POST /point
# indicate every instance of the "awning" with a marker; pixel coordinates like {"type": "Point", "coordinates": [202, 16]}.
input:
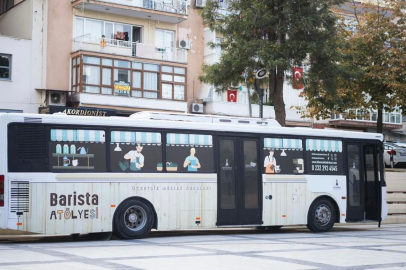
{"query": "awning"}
{"type": "Point", "coordinates": [282, 143]}
{"type": "Point", "coordinates": [178, 139]}
{"type": "Point", "coordinates": [130, 137]}
{"type": "Point", "coordinates": [324, 145]}
{"type": "Point", "coordinates": [77, 135]}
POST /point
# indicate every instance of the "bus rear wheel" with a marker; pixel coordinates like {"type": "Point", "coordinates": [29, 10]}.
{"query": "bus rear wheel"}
{"type": "Point", "coordinates": [321, 216]}
{"type": "Point", "coordinates": [133, 219]}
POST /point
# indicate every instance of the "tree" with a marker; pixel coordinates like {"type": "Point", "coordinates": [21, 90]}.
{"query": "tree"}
{"type": "Point", "coordinates": [271, 34]}
{"type": "Point", "coordinates": [370, 64]}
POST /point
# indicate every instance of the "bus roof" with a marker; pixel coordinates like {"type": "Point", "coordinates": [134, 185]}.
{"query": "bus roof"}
{"type": "Point", "coordinates": [59, 119]}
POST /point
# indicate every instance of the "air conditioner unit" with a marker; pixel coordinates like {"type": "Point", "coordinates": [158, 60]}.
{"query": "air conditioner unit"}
{"type": "Point", "coordinates": [200, 3]}
{"type": "Point", "coordinates": [184, 44]}
{"type": "Point", "coordinates": [56, 98]}
{"type": "Point", "coordinates": [197, 108]}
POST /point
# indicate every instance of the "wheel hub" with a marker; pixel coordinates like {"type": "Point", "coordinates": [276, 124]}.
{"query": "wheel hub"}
{"type": "Point", "coordinates": [132, 218]}
{"type": "Point", "coordinates": [323, 215]}
{"type": "Point", "coordinates": [135, 218]}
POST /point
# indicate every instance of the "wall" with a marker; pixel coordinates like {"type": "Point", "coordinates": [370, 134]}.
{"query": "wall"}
{"type": "Point", "coordinates": [17, 22]}
{"type": "Point", "coordinates": [58, 44]}
{"type": "Point", "coordinates": [18, 93]}
{"type": "Point", "coordinates": [192, 29]}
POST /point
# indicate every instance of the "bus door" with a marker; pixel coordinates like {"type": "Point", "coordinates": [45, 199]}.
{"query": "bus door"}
{"type": "Point", "coordinates": [372, 184]}
{"type": "Point", "coordinates": [239, 182]}
{"type": "Point", "coordinates": [363, 189]}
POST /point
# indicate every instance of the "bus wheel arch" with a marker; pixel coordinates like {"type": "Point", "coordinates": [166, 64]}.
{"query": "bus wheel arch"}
{"type": "Point", "coordinates": [322, 214]}
{"type": "Point", "coordinates": [134, 218]}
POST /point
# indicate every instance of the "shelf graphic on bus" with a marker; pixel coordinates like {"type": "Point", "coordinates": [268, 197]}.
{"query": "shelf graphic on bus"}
{"type": "Point", "coordinates": [77, 149]}
{"type": "Point", "coordinates": [135, 151]}
{"type": "Point", "coordinates": [324, 156]}
{"type": "Point", "coordinates": [283, 155]}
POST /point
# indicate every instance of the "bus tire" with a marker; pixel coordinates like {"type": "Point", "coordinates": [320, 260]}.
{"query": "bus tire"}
{"type": "Point", "coordinates": [133, 219]}
{"type": "Point", "coordinates": [321, 216]}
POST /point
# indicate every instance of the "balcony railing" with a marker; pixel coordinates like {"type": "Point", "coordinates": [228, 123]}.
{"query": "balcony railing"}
{"type": "Point", "coordinates": [394, 117]}
{"type": "Point", "coordinates": [177, 6]}
{"type": "Point", "coordinates": [128, 48]}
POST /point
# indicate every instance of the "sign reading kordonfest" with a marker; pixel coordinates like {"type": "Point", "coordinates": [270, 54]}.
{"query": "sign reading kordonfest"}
{"type": "Point", "coordinates": [122, 88]}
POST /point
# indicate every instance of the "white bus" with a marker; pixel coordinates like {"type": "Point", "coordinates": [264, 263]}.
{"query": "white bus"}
{"type": "Point", "coordinates": [78, 174]}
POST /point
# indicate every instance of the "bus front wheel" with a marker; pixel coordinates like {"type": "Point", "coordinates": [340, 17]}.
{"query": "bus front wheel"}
{"type": "Point", "coordinates": [321, 216]}
{"type": "Point", "coordinates": [133, 219]}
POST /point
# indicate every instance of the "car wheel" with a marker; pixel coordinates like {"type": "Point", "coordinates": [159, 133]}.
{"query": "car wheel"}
{"type": "Point", "coordinates": [321, 216]}
{"type": "Point", "coordinates": [133, 219]}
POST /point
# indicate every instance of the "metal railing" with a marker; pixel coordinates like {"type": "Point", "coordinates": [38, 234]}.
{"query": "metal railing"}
{"type": "Point", "coordinates": [177, 6]}
{"type": "Point", "coordinates": [128, 48]}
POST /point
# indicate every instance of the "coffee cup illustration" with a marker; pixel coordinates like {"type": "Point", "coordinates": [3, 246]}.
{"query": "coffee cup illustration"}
{"type": "Point", "coordinates": [75, 162]}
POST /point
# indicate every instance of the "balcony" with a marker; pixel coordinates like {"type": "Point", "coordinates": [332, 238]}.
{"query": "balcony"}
{"type": "Point", "coordinates": [367, 118]}
{"type": "Point", "coordinates": [102, 80]}
{"type": "Point", "coordinates": [128, 48]}
{"type": "Point", "coordinates": [158, 10]}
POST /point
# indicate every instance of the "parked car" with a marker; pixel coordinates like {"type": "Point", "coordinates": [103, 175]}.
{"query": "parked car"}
{"type": "Point", "coordinates": [394, 153]}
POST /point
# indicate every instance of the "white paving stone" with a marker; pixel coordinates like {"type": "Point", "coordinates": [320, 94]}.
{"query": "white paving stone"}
{"type": "Point", "coordinates": [54, 266]}
{"type": "Point", "coordinates": [393, 268]}
{"type": "Point", "coordinates": [395, 248]}
{"type": "Point", "coordinates": [196, 238]}
{"type": "Point", "coordinates": [14, 255]}
{"type": "Point", "coordinates": [346, 241]}
{"type": "Point", "coordinates": [343, 257]}
{"type": "Point", "coordinates": [248, 246]}
{"type": "Point", "coordinates": [221, 262]}
{"type": "Point", "coordinates": [128, 251]}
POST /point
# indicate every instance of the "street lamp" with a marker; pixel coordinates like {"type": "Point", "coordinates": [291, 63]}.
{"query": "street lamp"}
{"type": "Point", "coordinates": [259, 75]}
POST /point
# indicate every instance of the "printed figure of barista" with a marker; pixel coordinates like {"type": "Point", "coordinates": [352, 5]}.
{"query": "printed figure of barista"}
{"type": "Point", "coordinates": [270, 162]}
{"type": "Point", "coordinates": [136, 158]}
{"type": "Point", "coordinates": [192, 162]}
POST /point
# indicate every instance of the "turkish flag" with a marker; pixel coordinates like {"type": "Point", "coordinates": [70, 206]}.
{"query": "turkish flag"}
{"type": "Point", "coordinates": [232, 95]}
{"type": "Point", "coordinates": [297, 75]}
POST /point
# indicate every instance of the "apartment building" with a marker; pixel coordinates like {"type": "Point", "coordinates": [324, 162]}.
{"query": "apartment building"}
{"type": "Point", "coordinates": [111, 57]}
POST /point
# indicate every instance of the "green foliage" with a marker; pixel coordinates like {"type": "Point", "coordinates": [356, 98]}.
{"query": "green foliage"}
{"type": "Point", "coordinates": [369, 64]}
{"type": "Point", "coordinates": [271, 34]}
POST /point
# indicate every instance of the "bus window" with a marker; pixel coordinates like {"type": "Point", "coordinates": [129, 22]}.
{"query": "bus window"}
{"type": "Point", "coordinates": [78, 150]}
{"type": "Point", "coordinates": [283, 156]}
{"type": "Point", "coordinates": [189, 153]}
{"type": "Point", "coordinates": [135, 151]}
{"type": "Point", "coordinates": [354, 177]}
{"type": "Point", "coordinates": [324, 156]}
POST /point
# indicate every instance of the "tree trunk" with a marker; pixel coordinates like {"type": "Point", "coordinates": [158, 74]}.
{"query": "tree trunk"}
{"type": "Point", "coordinates": [379, 123]}
{"type": "Point", "coordinates": [276, 79]}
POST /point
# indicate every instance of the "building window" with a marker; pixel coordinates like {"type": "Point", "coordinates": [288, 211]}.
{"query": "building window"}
{"type": "Point", "coordinates": [5, 67]}
{"type": "Point", "coordinates": [131, 79]}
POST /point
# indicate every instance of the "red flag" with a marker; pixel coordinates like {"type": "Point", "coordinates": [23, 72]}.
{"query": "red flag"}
{"type": "Point", "coordinates": [232, 95]}
{"type": "Point", "coordinates": [297, 75]}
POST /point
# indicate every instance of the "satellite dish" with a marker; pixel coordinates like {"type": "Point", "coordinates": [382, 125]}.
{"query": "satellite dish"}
{"type": "Point", "coordinates": [260, 74]}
